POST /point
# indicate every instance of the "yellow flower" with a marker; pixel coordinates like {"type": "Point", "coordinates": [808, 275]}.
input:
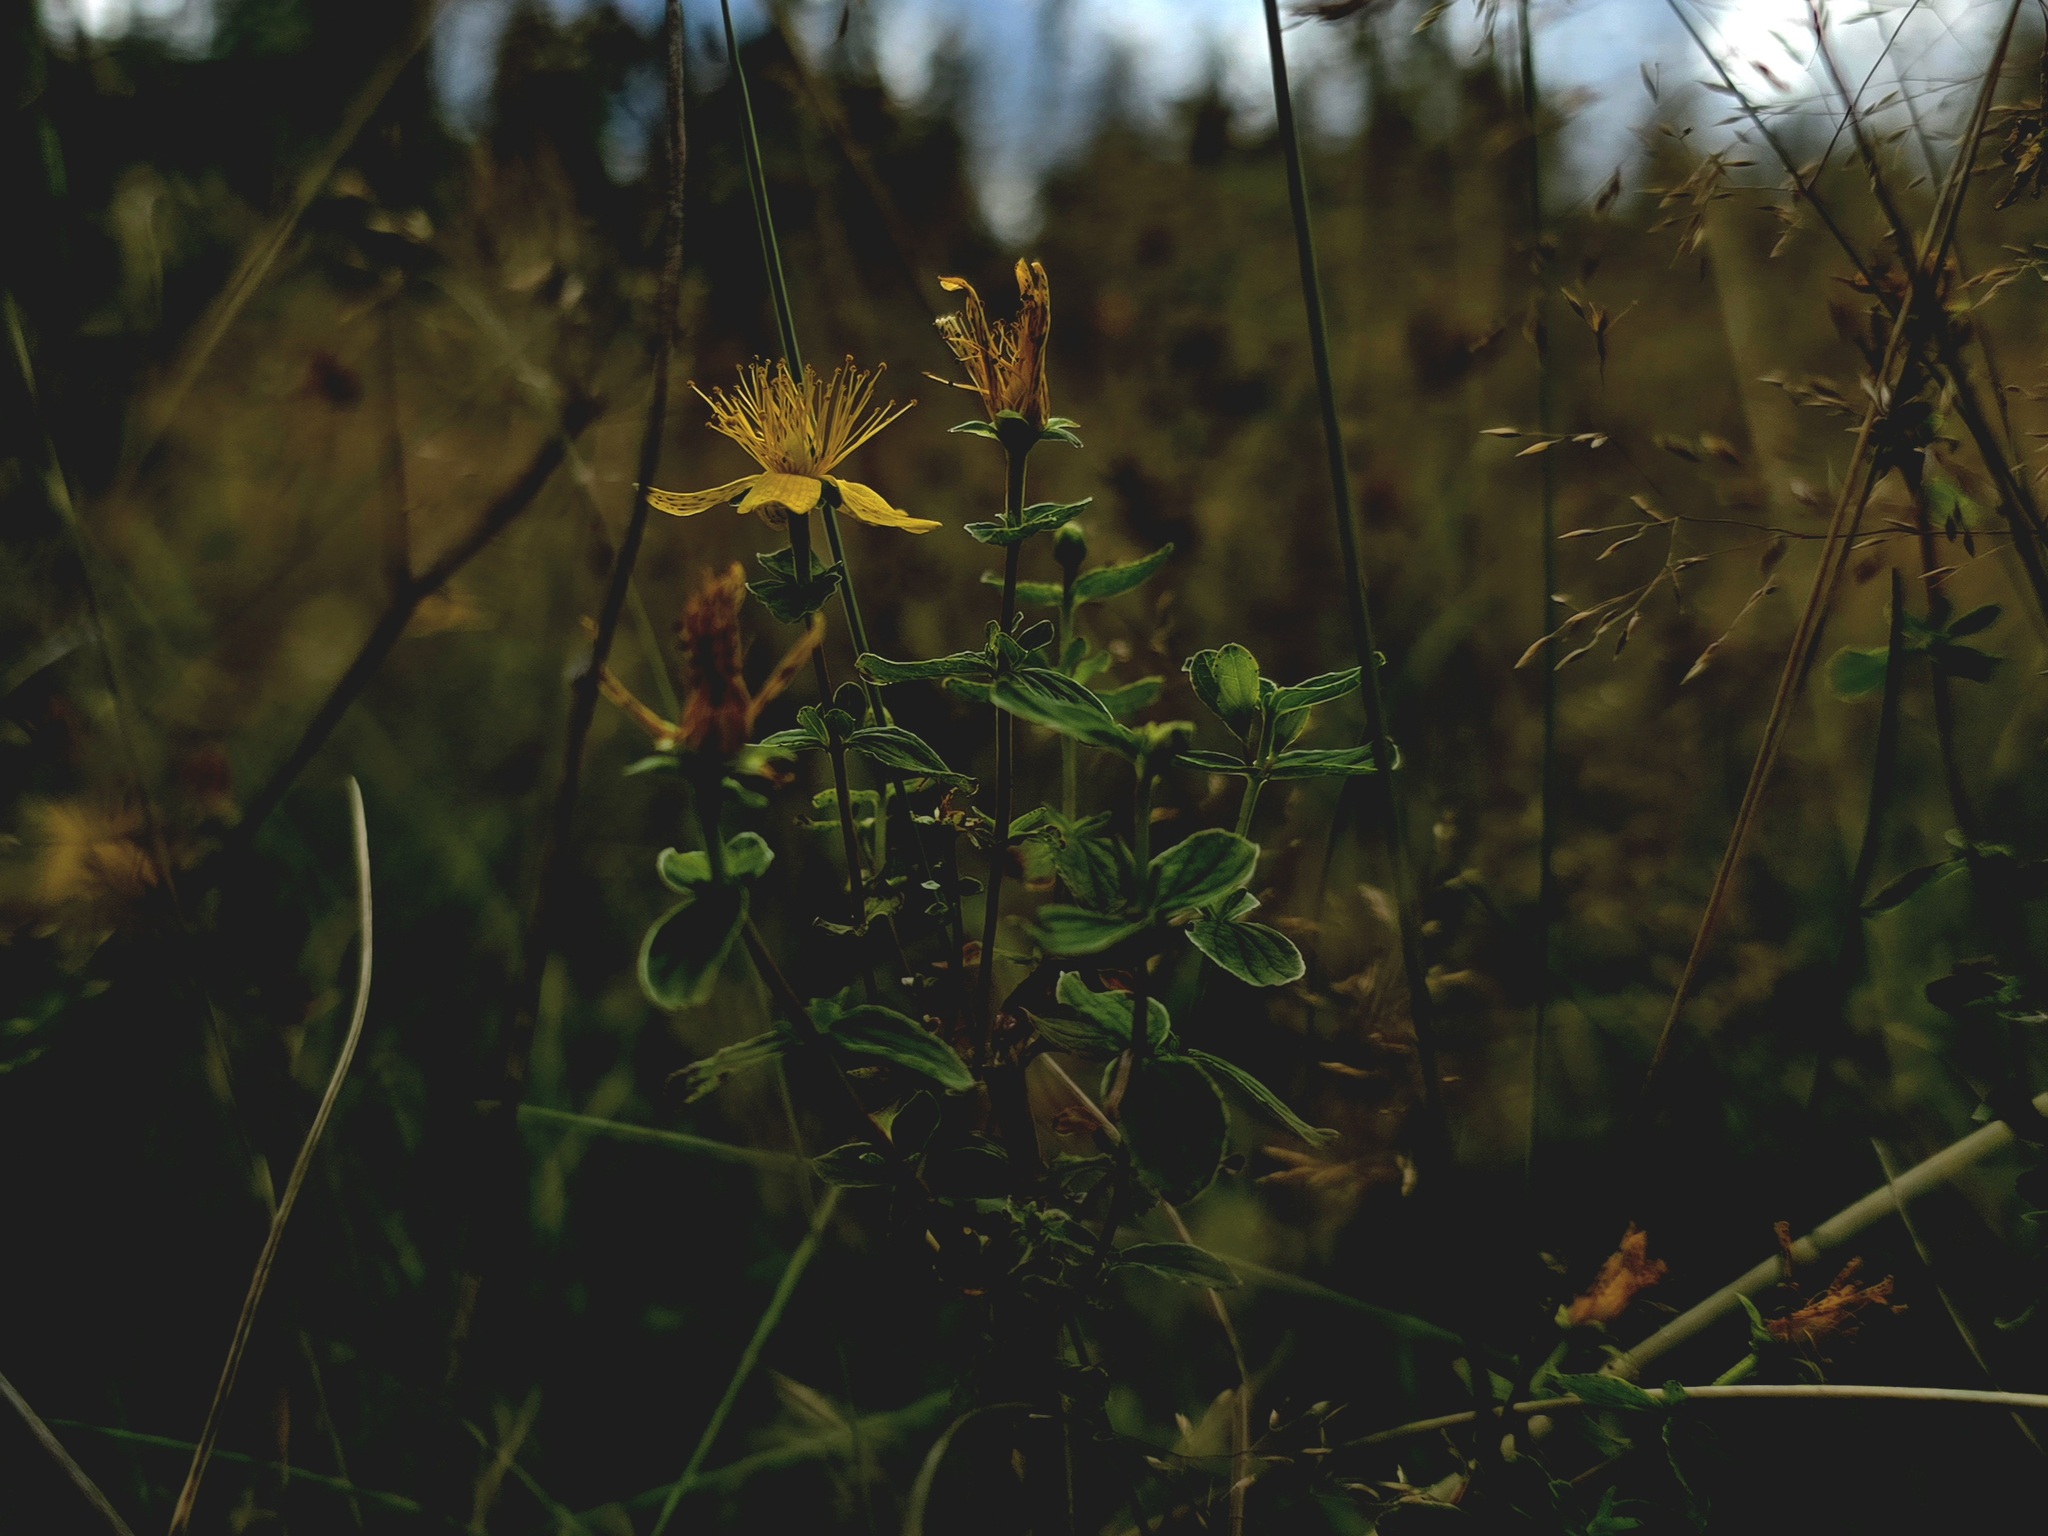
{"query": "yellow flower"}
{"type": "Point", "coordinates": [798, 431]}
{"type": "Point", "coordinates": [1004, 359]}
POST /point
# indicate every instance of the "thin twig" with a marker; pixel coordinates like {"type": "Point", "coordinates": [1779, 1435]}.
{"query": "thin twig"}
{"type": "Point", "coordinates": [1546, 837]}
{"type": "Point", "coordinates": [1947, 1164]}
{"type": "Point", "coordinates": [1955, 1313]}
{"type": "Point", "coordinates": [55, 1449]}
{"type": "Point", "coordinates": [259, 1281]}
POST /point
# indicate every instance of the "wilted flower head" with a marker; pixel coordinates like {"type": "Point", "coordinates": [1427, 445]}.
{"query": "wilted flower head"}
{"type": "Point", "coordinates": [1004, 359]}
{"type": "Point", "coordinates": [719, 710]}
{"type": "Point", "coordinates": [798, 430]}
{"type": "Point", "coordinates": [1629, 1270]}
{"type": "Point", "coordinates": [1836, 1310]}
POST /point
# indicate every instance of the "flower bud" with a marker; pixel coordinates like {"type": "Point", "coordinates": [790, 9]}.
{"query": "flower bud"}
{"type": "Point", "coordinates": [1070, 548]}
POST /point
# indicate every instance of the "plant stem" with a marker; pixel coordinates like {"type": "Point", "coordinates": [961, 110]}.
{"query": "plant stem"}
{"type": "Point", "coordinates": [1382, 785]}
{"type": "Point", "coordinates": [1741, 1370]}
{"type": "Point", "coordinates": [999, 851]}
{"type": "Point", "coordinates": [1930, 1174]}
{"type": "Point", "coordinates": [1070, 750]}
{"type": "Point", "coordinates": [778, 1303]}
{"type": "Point", "coordinates": [54, 1449]}
{"type": "Point", "coordinates": [1801, 1392]}
{"type": "Point", "coordinates": [1546, 837]}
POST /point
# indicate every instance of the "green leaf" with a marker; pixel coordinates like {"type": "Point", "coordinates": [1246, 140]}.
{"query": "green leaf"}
{"type": "Point", "coordinates": [894, 747]}
{"type": "Point", "coordinates": [1902, 889]}
{"type": "Point", "coordinates": [1180, 1261]}
{"type": "Point", "coordinates": [1064, 930]}
{"type": "Point", "coordinates": [1227, 680]}
{"type": "Point", "coordinates": [1114, 580]}
{"type": "Point", "coordinates": [1039, 594]}
{"type": "Point", "coordinates": [789, 599]}
{"type": "Point", "coordinates": [1605, 1391]}
{"type": "Point", "coordinates": [666, 765]}
{"type": "Point", "coordinates": [1307, 694]}
{"type": "Point", "coordinates": [879, 669]}
{"type": "Point", "coordinates": [976, 428]}
{"type": "Point", "coordinates": [747, 857]}
{"type": "Point", "coordinates": [1174, 1123]}
{"type": "Point", "coordinates": [1202, 869]}
{"type": "Point", "coordinates": [800, 738]}
{"type": "Point", "coordinates": [1327, 763]}
{"type": "Point", "coordinates": [1252, 952]}
{"type": "Point", "coordinates": [1265, 1098]}
{"type": "Point", "coordinates": [1056, 701]}
{"type": "Point", "coordinates": [1042, 517]}
{"type": "Point", "coordinates": [1964, 661]}
{"type": "Point", "coordinates": [1088, 866]}
{"type": "Point", "coordinates": [704, 1077]}
{"type": "Point", "coordinates": [853, 1166]}
{"type": "Point", "coordinates": [875, 1031]}
{"type": "Point", "coordinates": [1975, 620]}
{"type": "Point", "coordinates": [1106, 1016]}
{"type": "Point", "coordinates": [682, 954]}
{"type": "Point", "coordinates": [1856, 672]}
{"type": "Point", "coordinates": [1132, 698]}
{"type": "Point", "coordinates": [1216, 762]}
{"type": "Point", "coordinates": [1060, 429]}
{"type": "Point", "coordinates": [683, 872]}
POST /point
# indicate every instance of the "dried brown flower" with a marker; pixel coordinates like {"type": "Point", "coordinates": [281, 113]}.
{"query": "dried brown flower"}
{"type": "Point", "coordinates": [1628, 1272]}
{"type": "Point", "coordinates": [719, 710]}
{"type": "Point", "coordinates": [1004, 359]}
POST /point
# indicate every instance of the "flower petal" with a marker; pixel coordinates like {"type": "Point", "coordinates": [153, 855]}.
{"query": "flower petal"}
{"type": "Point", "coordinates": [792, 493]}
{"type": "Point", "coordinates": [870, 507]}
{"type": "Point", "coordinates": [690, 503]}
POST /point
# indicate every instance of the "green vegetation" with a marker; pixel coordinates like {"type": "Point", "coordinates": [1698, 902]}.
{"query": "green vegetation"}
{"type": "Point", "coordinates": [1160, 957]}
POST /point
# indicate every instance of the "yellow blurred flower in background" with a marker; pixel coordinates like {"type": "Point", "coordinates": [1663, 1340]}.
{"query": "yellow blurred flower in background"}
{"type": "Point", "coordinates": [89, 861]}
{"type": "Point", "coordinates": [798, 430]}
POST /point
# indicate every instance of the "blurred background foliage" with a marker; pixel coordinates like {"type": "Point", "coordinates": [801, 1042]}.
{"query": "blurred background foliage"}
{"type": "Point", "coordinates": [227, 492]}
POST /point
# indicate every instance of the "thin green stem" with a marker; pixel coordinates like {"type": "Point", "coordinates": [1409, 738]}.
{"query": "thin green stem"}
{"type": "Point", "coordinates": [1248, 807]}
{"type": "Point", "coordinates": [1070, 750]}
{"type": "Point", "coordinates": [1382, 785]}
{"type": "Point", "coordinates": [778, 1303]}
{"type": "Point", "coordinates": [681, 1141]}
{"type": "Point", "coordinates": [999, 849]}
{"type": "Point", "coordinates": [1741, 1370]}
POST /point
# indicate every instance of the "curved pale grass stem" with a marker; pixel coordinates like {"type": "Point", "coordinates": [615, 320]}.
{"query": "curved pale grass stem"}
{"type": "Point", "coordinates": [202, 1452]}
{"type": "Point", "coordinates": [1796, 1392]}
